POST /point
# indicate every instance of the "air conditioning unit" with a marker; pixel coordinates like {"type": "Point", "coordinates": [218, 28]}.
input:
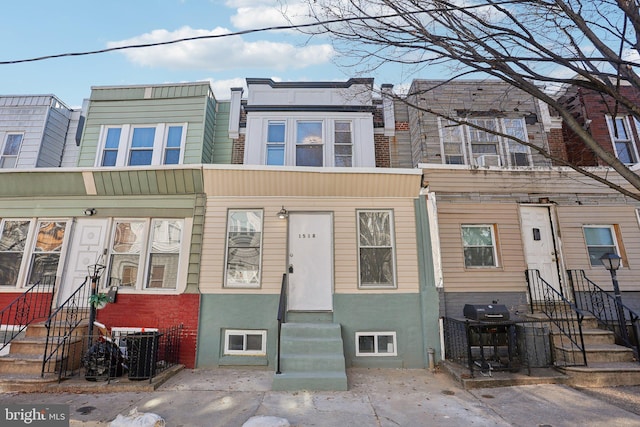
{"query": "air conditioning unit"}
{"type": "Point", "coordinates": [488, 160]}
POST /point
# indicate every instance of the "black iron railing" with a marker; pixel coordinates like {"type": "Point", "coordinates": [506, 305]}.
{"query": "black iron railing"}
{"type": "Point", "coordinates": [610, 313]}
{"type": "Point", "coordinates": [33, 305]}
{"type": "Point", "coordinates": [566, 317]}
{"type": "Point", "coordinates": [504, 345]}
{"type": "Point", "coordinates": [282, 316]}
{"type": "Point", "coordinates": [64, 344]}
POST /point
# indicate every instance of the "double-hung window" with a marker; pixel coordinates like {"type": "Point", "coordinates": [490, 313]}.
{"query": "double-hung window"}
{"type": "Point", "coordinates": [111, 145]}
{"type": "Point", "coordinates": [13, 241]}
{"type": "Point", "coordinates": [343, 144]}
{"type": "Point", "coordinates": [518, 153]}
{"type": "Point", "coordinates": [173, 146]}
{"type": "Point", "coordinates": [479, 245]}
{"type": "Point", "coordinates": [484, 145]}
{"type": "Point", "coordinates": [309, 144]}
{"type": "Point", "coordinates": [148, 252]}
{"type": "Point", "coordinates": [275, 143]}
{"type": "Point", "coordinates": [45, 257]}
{"type": "Point", "coordinates": [600, 240]}
{"type": "Point", "coordinates": [141, 151]}
{"type": "Point", "coordinates": [376, 261]}
{"type": "Point", "coordinates": [622, 140]}
{"type": "Point", "coordinates": [244, 247]}
{"type": "Point", "coordinates": [452, 142]}
{"type": "Point", "coordinates": [9, 154]}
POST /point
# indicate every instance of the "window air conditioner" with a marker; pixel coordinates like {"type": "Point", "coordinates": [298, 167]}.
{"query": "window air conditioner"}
{"type": "Point", "coordinates": [488, 160]}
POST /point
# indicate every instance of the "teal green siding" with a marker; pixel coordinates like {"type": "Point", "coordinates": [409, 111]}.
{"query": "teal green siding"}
{"type": "Point", "coordinates": [429, 298]}
{"type": "Point", "coordinates": [223, 144]}
{"type": "Point", "coordinates": [168, 104]}
{"type": "Point", "coordinates": [355, 313]}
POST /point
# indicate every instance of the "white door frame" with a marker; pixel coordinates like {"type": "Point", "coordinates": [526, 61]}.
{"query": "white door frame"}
{"type": "Point", "coordinates": [541, 227]}
{"type": "Point", "coordinates": [310, 261]}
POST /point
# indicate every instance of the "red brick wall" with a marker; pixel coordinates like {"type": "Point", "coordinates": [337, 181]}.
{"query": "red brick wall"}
{"type": "Point", "coordinates": [237, 153]}
{"type": "Point", "coordinates": [158, 311]}
{"type": "Point", "coordinates": [383, 156]}
{"type": "Point", "coordinates": [39, 304]}
{"type": "Point", "coordinates": [557, 147]}
{"type": "Point", "coordinates": [402, 125]}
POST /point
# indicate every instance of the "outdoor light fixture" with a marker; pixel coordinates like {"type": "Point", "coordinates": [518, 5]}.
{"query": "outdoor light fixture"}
{"type": "Point", "coordinates": [611, 261]}
{"type": "Point", "coordinates": [283, 214]}
{"type": "Point", "coordinates": [90, 211]}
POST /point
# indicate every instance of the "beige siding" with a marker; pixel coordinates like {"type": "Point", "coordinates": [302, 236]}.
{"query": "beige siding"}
{"type": "Point", "coordinates": [573, 218]}
{"type": "Point", "coordinates": [275, 240]}
{"type": "Point", "coordinates": [509, 275]}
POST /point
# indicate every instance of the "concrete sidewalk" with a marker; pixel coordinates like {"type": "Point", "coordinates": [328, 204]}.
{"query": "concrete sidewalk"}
{"type": "Point", "coordinates": [376, 397]}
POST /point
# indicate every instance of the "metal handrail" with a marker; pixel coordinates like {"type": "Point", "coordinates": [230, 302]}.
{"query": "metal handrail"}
{"type": "Point", "coordinates": [610, 313]}
{"type": "Point", "coordinates": [564, 314]}
{"type": "Point", "coordinates": [282, 316]}
{"type": "Point", "coordinates": [61, 325]}
{"type": "Point", "coordinates": [32, 305]}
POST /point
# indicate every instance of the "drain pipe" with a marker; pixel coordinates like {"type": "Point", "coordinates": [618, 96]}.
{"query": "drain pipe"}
{"type": "Point", "coordinates": [431, 353]}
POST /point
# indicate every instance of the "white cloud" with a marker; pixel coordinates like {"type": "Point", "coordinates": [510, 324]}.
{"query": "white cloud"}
{"type": "Point", "coordinates": [222, 88]}
{"type": "Point", "coordinates": [268, 14]}
{"type": "Point", "coordinates": [218, 54]}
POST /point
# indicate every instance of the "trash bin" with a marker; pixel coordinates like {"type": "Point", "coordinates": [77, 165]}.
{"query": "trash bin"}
{"type": "Point", "coordinates": [103, 361]}
{"type": "Point", "coordinates": [142, 349]}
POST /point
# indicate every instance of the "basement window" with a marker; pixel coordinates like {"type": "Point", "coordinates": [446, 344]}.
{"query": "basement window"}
{"type": "Point", "coordinates": [376, 344]}
{"type": "Point", "coordinates": [245, 342]}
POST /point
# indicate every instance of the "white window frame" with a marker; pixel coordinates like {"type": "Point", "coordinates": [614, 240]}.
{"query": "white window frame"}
{"type": "Point", "coordinates": [165, 142]}
{"type": "Point", "coordinates": [375, 336]}
{"type": "Point", "coordinates": [473, 156]}
{"type": "Point", "coordinates": [494, 246]}
{"type": "Point", "coordinates": [392, 246]}
{"type": "Point", "coordinates": [36, 231]}
{"type": "Point", "coordinates": [150, 252]}
{"type": "Point", "coordinates": [322, 145]}
{"type": "Point", "coordinates": [337, 144]}
{"type": "Point", "coordinates": [509, 143]}
{"type": "Point", "coordinates": [126, 138]}
{"type": "Point", "coordinates": [244, 333]}
{"type": "Point", "coordinates": [449, 127]}
{"type": "Point", "coordinates": [614, 238]}
{"type": "Point", "coordinates": [228, 283]}
{"type": "Point", "coordinates": [282, 143]}
{"type": "Point", "coordinates": [16, 156]}
{"type": "Point", "coordinates": [143, 274]}
{"type": "Point", "coordinates": [630, 140]}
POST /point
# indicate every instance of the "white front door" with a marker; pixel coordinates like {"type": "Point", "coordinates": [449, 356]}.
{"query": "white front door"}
{"type": "Point", "coordinates": [88, 244]}
{"type": "Point", "coordinates": [540, 249]}
{"type": "Point", "coordinates": [310, 262]}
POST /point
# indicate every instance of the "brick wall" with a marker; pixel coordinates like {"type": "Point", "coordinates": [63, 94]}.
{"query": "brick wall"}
{"type": "Point", "coordinates": [38, 305]}
{"type": "Point", "coordinates": [383, 157]}
{"type": "Point", "coordinates": [158, 311]}
{"type": "Point", "coordinates": [237, 153]}
{"type": "Point", "coordinates": [557, 146]}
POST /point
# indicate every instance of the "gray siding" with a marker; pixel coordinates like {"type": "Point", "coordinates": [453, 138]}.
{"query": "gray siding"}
{"type": "Point", "coordinates": [54, 138]}
{"type": "Point", "coordinates": [400, 149]}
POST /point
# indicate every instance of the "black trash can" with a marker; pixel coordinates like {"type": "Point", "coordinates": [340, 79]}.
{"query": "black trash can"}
{"type": "Point", "coordinates": [142, 349]}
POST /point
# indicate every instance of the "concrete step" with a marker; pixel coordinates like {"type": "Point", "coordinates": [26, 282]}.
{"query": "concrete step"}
{"type": "Point", "coordinates": [29, 364]}
{"type": "Point", "coordinates": [312, 362]}
{"type": "Point", "coordinates": [309, 317]}
{"type": "Point", "coordinates": [311, 330]}
{"type": "Point", "coordinates": [604, 374]}
{"type": "Point", "coordinates": [311, 380]}
{"type": "Point", "coordinates": [297, 345]}
{"type": "Point", "coordinates": [590, 336]}
{"type": "Point", "coordinates": [39, 330]}
{"type": "Point", "coordinates": [596, 353]}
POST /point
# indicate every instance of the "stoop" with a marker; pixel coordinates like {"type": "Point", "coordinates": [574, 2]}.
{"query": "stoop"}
{"type": "Point", "coordinates": [311, 358]}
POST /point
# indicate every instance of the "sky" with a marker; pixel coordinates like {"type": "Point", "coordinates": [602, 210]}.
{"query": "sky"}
{"type": "Point", "coordinates": [34, 28]}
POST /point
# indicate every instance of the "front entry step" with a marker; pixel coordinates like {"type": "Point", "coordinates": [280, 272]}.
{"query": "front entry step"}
{"type": "Point", "coordinates": [311, 358]}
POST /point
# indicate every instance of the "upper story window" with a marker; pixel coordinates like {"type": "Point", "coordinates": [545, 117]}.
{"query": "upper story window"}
{"type": "Point", "coordinates": [343, 145]}
{"type": "Point", "coordinates": [309, 144]}
{"type": "Point", "coordinates": [275, 143]}
{"type": "Point", "coordinates": [131, 145]}
{"type": "Point", "coordinates": [465, 144]}
{"type": "Point", "coordinates": [10, 150]}
{"type": "Point", "coordinates": [622, 139]}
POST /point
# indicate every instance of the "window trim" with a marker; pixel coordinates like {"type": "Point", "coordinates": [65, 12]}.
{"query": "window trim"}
{"type": "Point", "coordinates": [627, 128]}
{"type": "Point", "coordinates": [238, 285]}
{"type": "Point", "coordinates": [615, 237]}
{"type": "Point", "coordinates": [342, 144]}
{"type": "Point", "coordinates": [392, 238]}
{"type": "Point", "coordinates": [376, 335]}
{"type": "Point", "coordinates": [4, 146]}
{"type": "Point", "coordinates": [282, 143]}
{"type": "Point", "coordinates": [123, 157]}
{"type": "Point", "coordinates": [244, 332]}
{"type": "Point", "coordinates": [322, 144]}
{"type": "Point", "coordinates": [494, 244]}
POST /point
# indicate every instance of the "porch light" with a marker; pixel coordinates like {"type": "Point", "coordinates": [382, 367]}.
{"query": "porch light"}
{"type": "Point", "coordinates": [611, 261]}
{"type": "Point", "coordinates": [283, 214]}
{"type": "Point", "coordinates": [90, 211]}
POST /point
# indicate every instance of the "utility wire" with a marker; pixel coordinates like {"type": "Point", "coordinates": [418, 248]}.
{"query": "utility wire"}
{"type": "Point", "coordinates": [210, 36]}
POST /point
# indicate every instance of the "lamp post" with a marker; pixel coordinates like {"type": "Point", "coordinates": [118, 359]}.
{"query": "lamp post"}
{"type": "Point", "coordinates": [94, 273]}
{"type": "Point", "coordinates": [611, 262]}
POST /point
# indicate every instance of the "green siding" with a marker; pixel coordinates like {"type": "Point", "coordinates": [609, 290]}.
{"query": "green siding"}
{"type": "Point", "coordinates": [210, 118]}
{"type": "Point", "coordinates": [355, 312]}
{"type": "Point", "coordinates": [41, 184]}
{"type": "Point", "coordinates": [223, 144]}
{"type": "Point", "coordinates": [168, 104]}
{"type": "Point", "coordinates": [195, 252]}
{"type": "Point", "coordinates": [151, 181]}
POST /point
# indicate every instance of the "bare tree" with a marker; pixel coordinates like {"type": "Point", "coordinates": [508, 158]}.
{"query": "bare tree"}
{"type": "Point", "coordinates": [537, 46]}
